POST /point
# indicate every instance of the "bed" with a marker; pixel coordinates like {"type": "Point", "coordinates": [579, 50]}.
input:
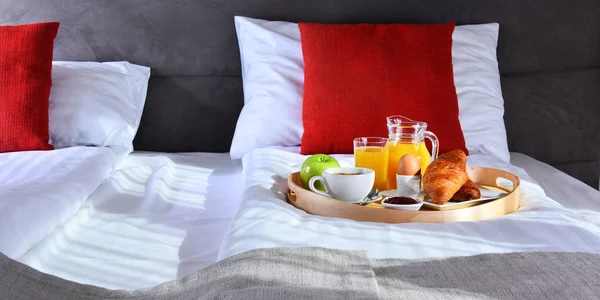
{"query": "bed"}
{"type": "Point", "coordinates": [139, 219]}
{"type": "Point", "coordinates": [179, 203]}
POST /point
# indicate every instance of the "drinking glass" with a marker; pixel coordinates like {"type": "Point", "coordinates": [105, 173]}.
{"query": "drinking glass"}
{"type": "Point", "coordinates": [372, 153]}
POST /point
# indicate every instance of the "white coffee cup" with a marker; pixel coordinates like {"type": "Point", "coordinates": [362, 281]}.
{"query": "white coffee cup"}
{"type": "Point", "coordinates": [346, 184]}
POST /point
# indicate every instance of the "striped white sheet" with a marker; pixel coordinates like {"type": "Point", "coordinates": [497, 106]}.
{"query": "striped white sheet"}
{"type": "Point", "coordinates": [40, 189]}
{"type": "Point", "coordinates": [266, 220]}
{"type": "Point", "coordinates": [156, 218]}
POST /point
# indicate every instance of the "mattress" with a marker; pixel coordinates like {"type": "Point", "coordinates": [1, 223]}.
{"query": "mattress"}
{"type": "Point", "coordinates": [265, 220]}
{"type": "Point", "coordinates": [158, 217]}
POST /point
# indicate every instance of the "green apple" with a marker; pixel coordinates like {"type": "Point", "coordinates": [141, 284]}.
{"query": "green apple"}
{"type": "Point", "coordinates": [314, 166]}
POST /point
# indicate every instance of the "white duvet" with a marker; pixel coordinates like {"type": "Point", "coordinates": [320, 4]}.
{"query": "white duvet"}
{"type": "Point", "coordinates": [265, 219]}
{"type": "Point", "coordinates": [41, 189]}
{"type": "Point", "coordinates": [157, 217]}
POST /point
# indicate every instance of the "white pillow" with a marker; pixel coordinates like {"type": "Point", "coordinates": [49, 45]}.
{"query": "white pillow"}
{"type": "Point", "coordinates": [273, 80]}
{"type": "Point", "coordinates": [477, 82]}
{"type": "Point", "coordinates": [97, 104]}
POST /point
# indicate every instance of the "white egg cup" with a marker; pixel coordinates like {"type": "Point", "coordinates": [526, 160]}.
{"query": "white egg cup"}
{"type": "Point", "coordinates": [408, 185]}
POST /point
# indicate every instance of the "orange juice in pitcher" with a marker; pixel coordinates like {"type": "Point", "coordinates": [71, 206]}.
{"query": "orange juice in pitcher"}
{"type": "Point", "coordinates": [407, 136]}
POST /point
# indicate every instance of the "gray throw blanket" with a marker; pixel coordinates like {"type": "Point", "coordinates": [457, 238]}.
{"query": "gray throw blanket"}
{"type": "Point", "coordinates": [318, 273]}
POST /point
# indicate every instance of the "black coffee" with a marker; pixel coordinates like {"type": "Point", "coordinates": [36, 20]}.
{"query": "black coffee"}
{"type": "Point", "coordinates": [347, 173]}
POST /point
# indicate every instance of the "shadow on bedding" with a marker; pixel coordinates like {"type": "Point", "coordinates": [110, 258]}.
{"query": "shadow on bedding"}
{"type": "Point", "coordinates": [157, 218]}
{"type": "Point", "coordinates": [39, 190]}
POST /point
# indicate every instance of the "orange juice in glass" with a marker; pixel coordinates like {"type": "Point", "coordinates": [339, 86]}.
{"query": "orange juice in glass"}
{"type": "Point", "coordinates": [408, 136]}
{"type": "Point", "coordinates": [372, 153]}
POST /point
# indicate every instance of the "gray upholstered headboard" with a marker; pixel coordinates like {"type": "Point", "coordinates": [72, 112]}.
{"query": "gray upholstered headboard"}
{"type": "Point", "coordinates": [549, 55]}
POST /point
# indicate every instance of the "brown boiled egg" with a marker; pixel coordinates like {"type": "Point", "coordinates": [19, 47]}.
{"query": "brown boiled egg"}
{"type": "Point", "coordinates": [408, 165]}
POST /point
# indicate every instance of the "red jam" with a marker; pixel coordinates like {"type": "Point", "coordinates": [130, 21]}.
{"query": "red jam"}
{"type": "Point", "coordinates": [401, 200]}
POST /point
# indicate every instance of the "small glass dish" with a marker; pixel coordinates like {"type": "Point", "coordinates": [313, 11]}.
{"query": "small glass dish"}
{"type": "Point", "coordinates": [410, 207]}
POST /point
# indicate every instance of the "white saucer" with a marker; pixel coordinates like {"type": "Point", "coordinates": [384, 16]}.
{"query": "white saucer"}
{"type": "Point", "coordinates": [370, 201]}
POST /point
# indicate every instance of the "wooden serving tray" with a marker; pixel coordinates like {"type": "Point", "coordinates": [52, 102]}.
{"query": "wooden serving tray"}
{"type": "Point", "coordinates": [316, 204]}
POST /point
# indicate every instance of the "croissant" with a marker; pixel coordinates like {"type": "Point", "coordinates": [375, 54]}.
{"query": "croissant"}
{"type": "Point", "coordinates": [468, 191]}
{"type": "Point", "coordinates": [445, 176]}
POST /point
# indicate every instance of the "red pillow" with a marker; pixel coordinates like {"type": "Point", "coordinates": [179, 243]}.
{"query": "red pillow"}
{"type": "Point", "coordinates": [357, 75]}
{"type": "Point", "coordinates": [25, 81]}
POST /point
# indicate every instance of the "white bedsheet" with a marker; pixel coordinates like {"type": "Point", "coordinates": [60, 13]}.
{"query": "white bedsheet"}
{"type": "Point", "coordinates": [40, 189]}
{"type": "Point", "coordinates": [566, 190]}
{"type": "Point", "coordinates": [266, 220]}
{"type": "Point", "coordinates": [158, 217]}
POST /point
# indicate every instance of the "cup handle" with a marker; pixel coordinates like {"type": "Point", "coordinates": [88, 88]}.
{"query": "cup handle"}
{"type": "Point", "coordinates": [311, 185]}
{"type": "Point", "coordinates": [434, 144]}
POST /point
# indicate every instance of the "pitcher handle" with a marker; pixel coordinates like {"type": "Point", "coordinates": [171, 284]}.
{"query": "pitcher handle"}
{"type": "Point", "coordinates": [434, 144]}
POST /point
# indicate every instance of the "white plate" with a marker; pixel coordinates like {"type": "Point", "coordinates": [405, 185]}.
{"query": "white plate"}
{"type": "Point", "coordinates": [486, 195]}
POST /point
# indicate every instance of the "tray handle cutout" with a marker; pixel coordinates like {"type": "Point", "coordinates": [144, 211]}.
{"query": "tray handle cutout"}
{"type": "Point", "coordinates": [505, 183]}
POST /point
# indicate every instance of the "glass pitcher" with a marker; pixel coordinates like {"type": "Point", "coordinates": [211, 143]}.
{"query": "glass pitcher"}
{"type": "Point", "coordinates": [408, 136]}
